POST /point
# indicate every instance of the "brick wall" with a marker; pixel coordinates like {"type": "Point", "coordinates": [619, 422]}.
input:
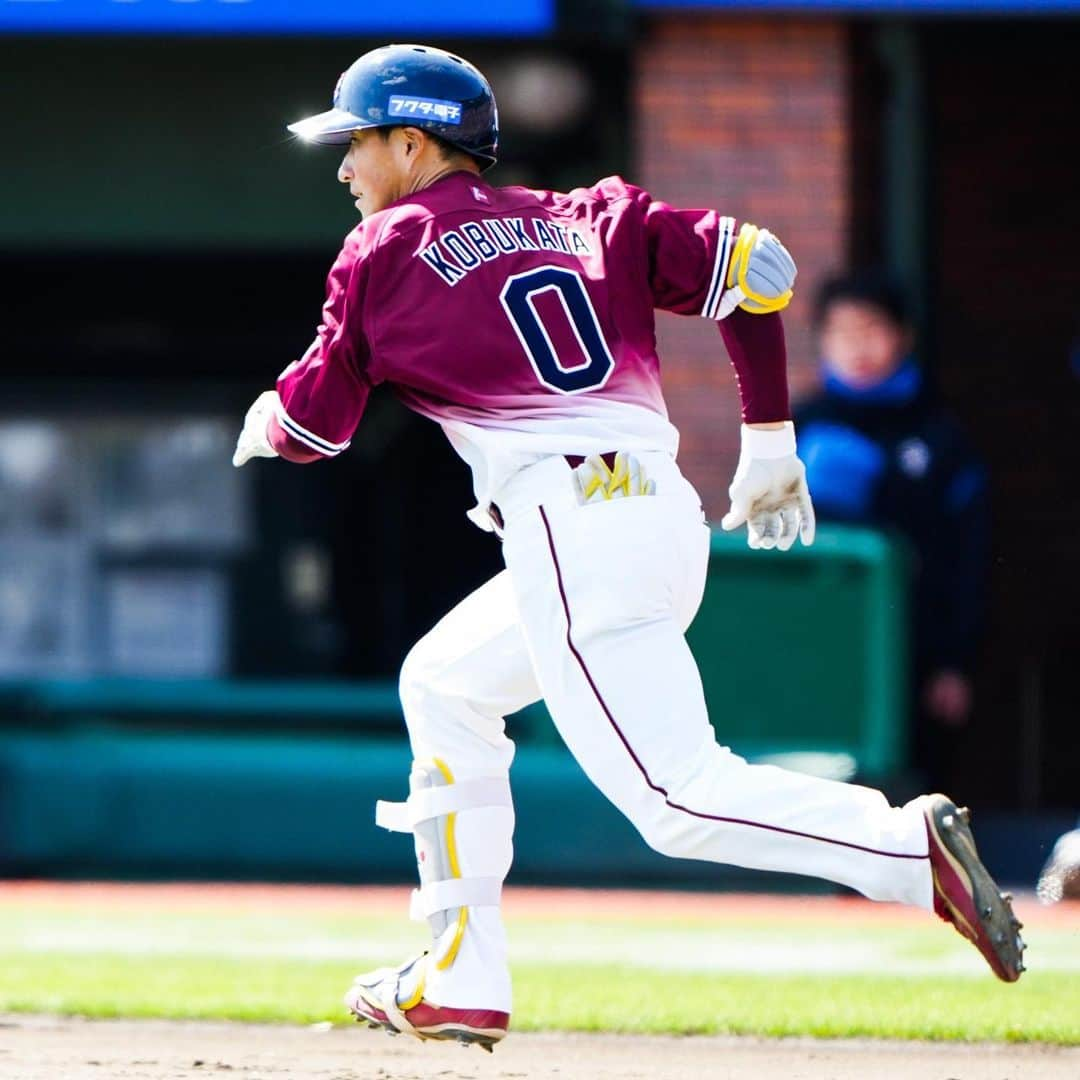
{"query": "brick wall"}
{"type": "Point", "coordinates": [748, 116]}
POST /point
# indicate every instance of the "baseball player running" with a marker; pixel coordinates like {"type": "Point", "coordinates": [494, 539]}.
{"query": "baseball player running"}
{"type": "Point", "coordinates": [522, 322]}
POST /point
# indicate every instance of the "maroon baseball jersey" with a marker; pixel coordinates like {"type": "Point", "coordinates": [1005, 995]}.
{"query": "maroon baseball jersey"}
{"type": "Point", "coordinates": [521, 321]}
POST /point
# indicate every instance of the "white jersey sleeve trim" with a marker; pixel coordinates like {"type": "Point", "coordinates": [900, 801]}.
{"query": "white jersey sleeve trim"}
{"type": "Point", "coordinates": [309, 438]}
{"type": "Point", "coordinates": [726, 227]}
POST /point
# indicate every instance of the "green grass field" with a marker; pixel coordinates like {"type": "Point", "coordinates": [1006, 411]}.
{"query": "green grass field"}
{"type": "Point", "coordinates": [736, 972]}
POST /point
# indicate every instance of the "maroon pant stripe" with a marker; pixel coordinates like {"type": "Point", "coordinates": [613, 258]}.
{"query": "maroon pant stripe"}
{"type": "Point", "coordinates": [641, 767]}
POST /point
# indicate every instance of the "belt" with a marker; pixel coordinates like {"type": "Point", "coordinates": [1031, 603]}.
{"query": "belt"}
{"type": "Point", "coordinates": [573, 460]}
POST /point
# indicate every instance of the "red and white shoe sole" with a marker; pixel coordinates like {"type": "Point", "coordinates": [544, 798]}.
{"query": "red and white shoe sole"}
{"type": "Point", "coordinates": [966, 895]}
{"type": "Point", "coordinates": [479, 1027]}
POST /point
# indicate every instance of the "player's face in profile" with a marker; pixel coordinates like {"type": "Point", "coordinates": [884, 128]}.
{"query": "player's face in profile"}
{"type": "Point", "coordinates": [372, 171]}
{"type": "Point", "coordinates": [861, 343]}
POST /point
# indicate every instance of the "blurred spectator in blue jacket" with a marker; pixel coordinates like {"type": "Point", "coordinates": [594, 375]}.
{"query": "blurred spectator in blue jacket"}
{"type": "Point", "coordinates": [881, 451]}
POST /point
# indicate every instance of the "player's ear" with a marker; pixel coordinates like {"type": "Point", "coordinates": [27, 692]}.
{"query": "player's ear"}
{"type": "Point", "coordinates": [412, 141]}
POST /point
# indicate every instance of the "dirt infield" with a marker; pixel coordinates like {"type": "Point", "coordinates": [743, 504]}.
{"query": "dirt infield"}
{"type": "Point", "coordinates": [47, 1048]}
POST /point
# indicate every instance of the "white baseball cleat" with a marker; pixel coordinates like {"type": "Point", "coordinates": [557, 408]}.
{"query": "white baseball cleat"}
{"type": "Point", "coordinates": [377, 999]}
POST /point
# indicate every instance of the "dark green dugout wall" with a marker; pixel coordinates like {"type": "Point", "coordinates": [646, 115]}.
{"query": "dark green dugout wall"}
{"type": "Point", "coordinates": [180, 143]}
{"type": "Point", "coordinates": [138, 143]}
{"type": "Point", "coordinates": [801, 655]}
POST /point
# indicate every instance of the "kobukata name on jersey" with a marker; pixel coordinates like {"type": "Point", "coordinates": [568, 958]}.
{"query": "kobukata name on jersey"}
{"type": "Point", "coordinates": [457, 251]}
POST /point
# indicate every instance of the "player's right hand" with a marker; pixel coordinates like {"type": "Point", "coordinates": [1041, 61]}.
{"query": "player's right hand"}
{"type": "Point", "coordinates": [769, 492]}
{"type": "Point", "coordinates": [253, 440]}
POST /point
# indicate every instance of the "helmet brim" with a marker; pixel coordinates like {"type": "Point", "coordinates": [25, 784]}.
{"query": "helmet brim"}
{"type": "Point", "coordinates": [333, 127]}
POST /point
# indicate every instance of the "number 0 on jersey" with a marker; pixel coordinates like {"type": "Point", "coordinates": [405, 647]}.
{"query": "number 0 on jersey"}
{"type": "Point", "coordinates": [517, 299]}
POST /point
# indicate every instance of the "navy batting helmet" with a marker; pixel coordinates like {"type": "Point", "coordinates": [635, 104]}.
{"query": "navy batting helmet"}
{"type": "Point", "coordinates": [415, 85]}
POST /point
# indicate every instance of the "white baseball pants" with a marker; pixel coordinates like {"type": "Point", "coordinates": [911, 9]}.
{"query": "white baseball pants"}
{"type": "Point", "coordinates": [590, 615]}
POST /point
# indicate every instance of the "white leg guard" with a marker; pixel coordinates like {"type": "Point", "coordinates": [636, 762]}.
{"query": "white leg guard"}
{"type": "Point", "coordinates": [463, 828]}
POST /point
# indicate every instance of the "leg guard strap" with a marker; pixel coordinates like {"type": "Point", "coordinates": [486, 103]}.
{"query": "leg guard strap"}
{"type": "Point", "coordinates": [424, 804]}
{"type": "Point", "coordinates": [436, 896]}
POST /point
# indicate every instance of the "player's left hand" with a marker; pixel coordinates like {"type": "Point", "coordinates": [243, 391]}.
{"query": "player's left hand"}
{"type": "Point", "coordinates": [253, 440]}
{"type": "Point", "coordinates": [769, 492]}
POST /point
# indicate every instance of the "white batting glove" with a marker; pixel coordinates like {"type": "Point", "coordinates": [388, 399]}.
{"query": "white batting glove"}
{"type": "Point", "coordinates": [769, 491]}
{"type": "Point", "coordinates": [253, 441]}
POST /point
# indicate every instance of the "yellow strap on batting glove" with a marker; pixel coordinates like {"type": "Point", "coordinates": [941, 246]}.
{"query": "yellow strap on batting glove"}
{"type": "Point", "coordinates": [597, 483]}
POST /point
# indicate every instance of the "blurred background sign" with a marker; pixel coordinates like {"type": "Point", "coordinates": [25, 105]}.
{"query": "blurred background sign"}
{"type": "Point", "coordinates": [276, 16]}
{"type": "Point", "coordinates": [115, 541]}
